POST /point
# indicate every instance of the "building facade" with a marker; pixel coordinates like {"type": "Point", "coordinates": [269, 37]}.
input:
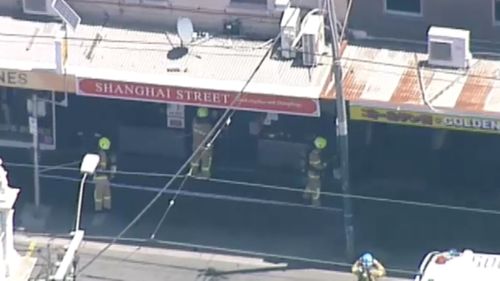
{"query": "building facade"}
{"type": "Point", "coordinates": [129, 76]}
{"type": "Point", "coordinates": [410, 19]}
{"type": "Point", "coordinates": [256, 18]}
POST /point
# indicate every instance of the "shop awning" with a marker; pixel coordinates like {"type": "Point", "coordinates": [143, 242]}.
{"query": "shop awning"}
{"type": "Point", "coordinates": [387, 78]}
{"type": "Point", "coordinates": [382, 85]}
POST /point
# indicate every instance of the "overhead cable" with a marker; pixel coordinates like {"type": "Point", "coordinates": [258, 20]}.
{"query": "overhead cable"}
{"type": "Point", "coordinates": [242, 54]}
{"type": "Point", "coordinates": [283, 188]}
{"type": "Point", "coordinates": [207, 195]}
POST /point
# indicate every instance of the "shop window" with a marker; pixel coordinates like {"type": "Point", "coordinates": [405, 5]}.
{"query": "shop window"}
{"type": "Point", "coordinates": [14, 125]}
{"type": "Point", "coordinates": [6, 113]}
{"type": "Point", "coordinates": [409, 7]}
{"type": "Point", "coordinates": [496, 11]}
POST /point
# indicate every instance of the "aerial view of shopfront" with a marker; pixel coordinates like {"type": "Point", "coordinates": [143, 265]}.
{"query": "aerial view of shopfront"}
{"type": "Point", "coordinates": [146, 103]}
{"type": "Point", "coordinates": [416, 121]}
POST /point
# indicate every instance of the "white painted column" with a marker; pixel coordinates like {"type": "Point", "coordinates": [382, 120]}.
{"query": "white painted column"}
{"type": "Point", "coordinates": [3, 253]}
{"type": "Point", "coordinates": [8, 196]}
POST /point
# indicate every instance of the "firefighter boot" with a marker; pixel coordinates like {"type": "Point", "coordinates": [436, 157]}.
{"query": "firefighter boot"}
{"type": "Point", "coordinates": [205, 172]}
{"type": "Point", "coordinates": [315, 197]}
{"type": "Point", "coordinates": [306, 195]}
{"type": "Point", "coordinates": [195, 169]}
{"type": "Point", "coordinates": [316, 202]}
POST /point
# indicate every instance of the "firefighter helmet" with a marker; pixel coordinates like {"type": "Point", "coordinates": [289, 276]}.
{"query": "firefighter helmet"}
{"type": "Point", "coordinates": [202, 112]}
{"type": "Point", "coordinates": [104, 143]}
{"type": "Point", "coordinates": [320, 142]}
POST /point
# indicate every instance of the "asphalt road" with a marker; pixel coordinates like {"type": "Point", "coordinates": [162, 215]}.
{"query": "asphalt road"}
{"type": "Point", "coordinates": [124, 263]}
{"type": "Point", "coordinates": [398, 234]}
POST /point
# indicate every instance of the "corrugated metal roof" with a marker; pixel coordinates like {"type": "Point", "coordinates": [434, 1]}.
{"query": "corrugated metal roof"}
{"type": "Point", "coordinates": [124, 54]}
{"type": "Point", "coordinates": [388, 77]}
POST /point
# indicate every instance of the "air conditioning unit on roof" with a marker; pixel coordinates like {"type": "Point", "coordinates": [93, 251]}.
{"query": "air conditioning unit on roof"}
{"type": "Point", "coordinates": [313, 40]}
{"type": "Point", "coordinates": [38, 7]}
{"type": "Point", "coordinates": [290, 27]}
{"type": "Point", "coordinates": [449, 47]}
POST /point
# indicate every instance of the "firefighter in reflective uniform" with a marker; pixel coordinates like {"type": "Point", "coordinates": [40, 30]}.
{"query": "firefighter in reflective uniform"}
{"type": "Point", "coordinates": [104, 173]}
{"type": "Point", "coordinates": [367, 268]}
{"type": "Point", "coordinates": [316, 167]}
{"type": "Point", "coordinates": [203, 158]}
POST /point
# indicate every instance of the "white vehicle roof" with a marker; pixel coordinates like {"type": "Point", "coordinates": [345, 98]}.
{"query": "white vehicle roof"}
{"type": "Point", "coordinates": [465, 266]}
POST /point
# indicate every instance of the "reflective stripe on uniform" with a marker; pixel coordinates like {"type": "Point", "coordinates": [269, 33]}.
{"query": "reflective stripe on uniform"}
{"type": "Point", "coordinates": [199, 132]}
{"type": "Point", "coordinates": [316, 162]}
{"type": "Point", "coordinates": [101, 177]}
{"type": "Point", "coordinates": [316, 194]}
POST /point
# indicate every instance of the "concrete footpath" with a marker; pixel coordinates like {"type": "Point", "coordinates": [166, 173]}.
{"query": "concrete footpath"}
{"type": "Point", "coordinates": [123, 263]}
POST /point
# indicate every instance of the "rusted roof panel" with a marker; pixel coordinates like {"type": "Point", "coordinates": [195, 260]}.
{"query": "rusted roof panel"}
{"type": "Point", "coordinates": [477, 87]}
{"type": "Point", "coordinates": [409, 88]}
{"type": "Point", "coordinates": [374, 74]}
{"type": "Point", "coordinates": [357, 73]}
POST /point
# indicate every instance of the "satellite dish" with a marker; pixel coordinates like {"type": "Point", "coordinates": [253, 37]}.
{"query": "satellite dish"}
{"type": "Point", "coordinates": [185, 30]}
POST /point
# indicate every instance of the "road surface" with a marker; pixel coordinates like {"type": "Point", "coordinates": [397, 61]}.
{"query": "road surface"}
{"type": "Point", "coordinates": [399, 235]}
{"type": "Point", "coordinates": [132, 263]}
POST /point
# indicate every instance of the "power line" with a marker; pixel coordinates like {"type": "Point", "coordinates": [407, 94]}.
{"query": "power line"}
{"type": "Point", "coordinates": [226, 250]}
{"type": "Point", "coordinates": [207, 195]}
{"type": "Point", "coordinates": [216, 46]}
{"type": "Point", "coordinates": [162, 219]}
{"type": "Point", "coordinates": [346, 20]}
{"type": "Point", "coordinates": [290, 189]}
{"type": "Point", "coordinates": [139, 43]}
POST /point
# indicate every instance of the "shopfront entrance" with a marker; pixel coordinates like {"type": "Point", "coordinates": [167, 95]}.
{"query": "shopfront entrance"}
{"type": "Point", "coordinates": [430, 151]}
{"type": "Point", "coordinates": [270, 132]}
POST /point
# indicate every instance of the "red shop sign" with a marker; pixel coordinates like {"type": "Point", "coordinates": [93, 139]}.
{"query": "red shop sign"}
{"type": "Point", "coordinates": [197, 97]}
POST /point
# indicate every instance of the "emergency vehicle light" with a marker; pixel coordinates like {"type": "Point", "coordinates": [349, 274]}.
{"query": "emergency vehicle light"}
{"type": "Point", "coordinates": [441, 260]}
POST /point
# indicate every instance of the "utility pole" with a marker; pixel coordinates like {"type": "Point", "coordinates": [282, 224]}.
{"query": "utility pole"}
{"type": "Point", "coordinates": [342, 133]}
{"type": "Point", "coordinates": [33, 124]}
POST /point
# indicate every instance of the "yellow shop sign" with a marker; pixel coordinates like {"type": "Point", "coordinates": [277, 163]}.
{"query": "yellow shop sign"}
{"type": "Point", "coordinates": [422, 119]}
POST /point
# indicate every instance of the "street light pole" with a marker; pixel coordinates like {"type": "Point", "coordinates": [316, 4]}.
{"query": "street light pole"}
{"type": "Point", "coordinates": [342, 132]}
{"type": "Point", "coordinates": [80, 201]}
{"type": "Point", "coordinates": [34, 130]}
{"type": "Point", "coordinates": [67, 267]}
